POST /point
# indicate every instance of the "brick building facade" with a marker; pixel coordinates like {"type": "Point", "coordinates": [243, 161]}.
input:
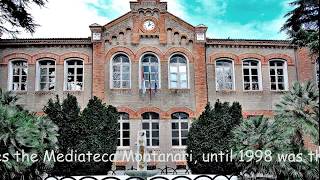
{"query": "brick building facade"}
{"type": "Point", "coordinates": [158, 70]}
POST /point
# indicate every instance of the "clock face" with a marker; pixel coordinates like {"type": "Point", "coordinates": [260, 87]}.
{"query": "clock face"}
{"type": "Point", "coordinates": [96, 36]}
{"type": "Point", "coordinates": [149, 25]}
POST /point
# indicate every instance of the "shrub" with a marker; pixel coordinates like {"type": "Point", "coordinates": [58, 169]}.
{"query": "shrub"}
{"type": "Point", "coordinates": [211, 133]}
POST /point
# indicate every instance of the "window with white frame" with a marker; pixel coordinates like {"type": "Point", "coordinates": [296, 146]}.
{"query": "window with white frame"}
{"type": "Point", "coordinates": [180, 128]}
{"type": "Point", "coordinates": [46, 75]}
{"type": "Point", "coordinates": [124, 130]}
{"type": "Point", "coordinates": [74, 75]}
{"type": "Point", "coordinates": [150, 123]}
{"type": "Point", "coordinates": [150, 72]}
{"type": "Point", "coordinates": [224, 75]}
{"type": "Point", "coordinates": [120, 72]}
{"type": "Point", "coordinates": [251, 75]}
{"type": "Point", "coordinates": [178, 68]}
{"type": "Point", "coordinates": [18, 75]}
{"type": "Point", "coordinates": [278, 75]}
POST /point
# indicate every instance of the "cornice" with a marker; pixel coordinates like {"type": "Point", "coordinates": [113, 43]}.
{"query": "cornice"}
{"type": "Point", "coordinates": [249, 43]}
{"type": "Point", "coordinates": [46, 42]}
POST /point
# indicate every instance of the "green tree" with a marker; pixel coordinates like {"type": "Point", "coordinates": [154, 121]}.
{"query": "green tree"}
{"type": "Point", "coordinates": [16, 14]}
{"type": "Point", "coordinates": [299, 111]}
{"type": "Point", "coordinates": [24, 132]}
{"type": "Point", "coordinates": [7, 98]}
{"type": "Point", "coordinates": [302, 24]}
{"type": "Point", "coordinates": [257, 144]}
{"type": "Point", "coordinates": [99, 127]}
{"type": "Point", "coordinates": [67, 117]}
{"type": "Point", "coordinates": [211, 133]}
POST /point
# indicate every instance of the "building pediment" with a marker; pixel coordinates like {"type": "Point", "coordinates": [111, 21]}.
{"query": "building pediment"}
{"type": "Point", "coordinates": [148, 18]}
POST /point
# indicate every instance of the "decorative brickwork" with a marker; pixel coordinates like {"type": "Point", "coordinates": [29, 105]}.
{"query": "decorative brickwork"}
{"type": "Point", "coordinates": [115, 50]}
{"type": "Point", "coordinates": [216, 56]}
{"type": "Point", "coordinates": [144, 50]}
{"type": "Point", "coordinates": [279, 56]}
{"type": "Point", "coordinates": [13, 56]}
{"type": "Point", "coordinates": [80, 55]}
{"type": "Point", "coordinates": [259, 57]}
{"type": "Point", "coordinates": [46, 55]}
{"type": "Point", "coordinates": [184, 51]}
{"type": "Point", "coordinates": [305, 66]}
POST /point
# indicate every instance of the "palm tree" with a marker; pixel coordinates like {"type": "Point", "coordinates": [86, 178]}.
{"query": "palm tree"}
{"type": "Point", "coordinates": [302, 24]}
{"type": "Point", "coordinates": [7, 98]}
{"type": "Point", "coordinates": [257, 143]}
{"type": "Point", "coordinates": [21, 131]}
{"type": "Point", "coordinates": [299, 111]}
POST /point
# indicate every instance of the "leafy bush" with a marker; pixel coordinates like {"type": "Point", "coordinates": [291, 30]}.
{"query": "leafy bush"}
{"type": "Point", "coordinates": [67, 116]}
{"type": "Point", "coordinates": [211, 133]}
{"type": "Point", "coordinates": [23, 132]}
{"type": "Point", "coordinates": [99, 133]}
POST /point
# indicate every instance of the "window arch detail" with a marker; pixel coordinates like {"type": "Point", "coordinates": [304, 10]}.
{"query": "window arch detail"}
{"type": "Point", "coordinates": [120, 76]}
{"type": "Point", "coordinates": [178, 72]}
{"type": "Point", "coordinates": [150, 72]}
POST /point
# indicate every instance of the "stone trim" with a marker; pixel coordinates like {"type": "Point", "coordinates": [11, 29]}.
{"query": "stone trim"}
{"type": "Point", "coordinates": [144, 50]}
{"type": "Point", "coordinates": [121, 49]}
{"type": "Point", "coordinates": [181, 50]}
{"type": "Point", "coordinates": [214, 57]}
{"type": "Point", "coordinates": [15, 56]}
{"type": "Point", "coordinates": [279, 56]}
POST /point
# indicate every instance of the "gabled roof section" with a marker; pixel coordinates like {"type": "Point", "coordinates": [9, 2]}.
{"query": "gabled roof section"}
{"type": "Point", "coordinates": [118, 20]}
{"type": "Point", "coordinates": [181, 21]}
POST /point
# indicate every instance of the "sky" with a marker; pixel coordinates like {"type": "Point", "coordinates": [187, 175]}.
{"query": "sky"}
{"type": "Point", "coordinates": [236, 19]}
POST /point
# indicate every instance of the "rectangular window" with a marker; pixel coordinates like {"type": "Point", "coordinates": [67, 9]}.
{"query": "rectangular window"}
{"type": "Point", "coordinates": [74, 75]}
{"type": "Point", "coordinates": [124, 130]}
{"type": "Point", "coordinates": [278, 75]}
{"type": "Point", "coordinates": [47, 75]}
{"type": "Point", "coordinates": [150, 124]}
{"type": "Point", "coordinates": [251, 75]}
{"type": "Point", "coordinates": [18, 76]}
{"type": "Point", "coordinates": [224, 75]}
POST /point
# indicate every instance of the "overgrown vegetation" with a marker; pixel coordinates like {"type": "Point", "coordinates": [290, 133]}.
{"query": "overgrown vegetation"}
{"type": "Point", "coordinates": [302, 24]}
{"type": "Point", "coordinates": [21, 132]}
{"type": "Point", "coordinates": [211, 133]}
{"type": "Point", "coordinates": [94, 130]}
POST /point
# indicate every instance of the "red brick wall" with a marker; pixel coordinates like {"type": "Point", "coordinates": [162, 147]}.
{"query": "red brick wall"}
{"type": "Point", "coordinates": [306, 67]}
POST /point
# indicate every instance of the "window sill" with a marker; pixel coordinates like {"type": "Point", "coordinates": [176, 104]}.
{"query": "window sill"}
{"type": "Point", "coordinates": [122, 148]}
{"type": "Point", "coordinates": [179, 147]}
{"type": "Point", "coordinates": [121, 91]}
{"type": "Point", "coordinates": [73, 92]}
{"type": "Point", "coordinates": [178, 91]}
{"type": "Point", "coordinates": [19, 92]}
{"type": "Point", "coordinates": [225, 91]}
{"type": "Point", "coordinates": [279, 92]}
{"type": "Point", "coordinates": [44, 92]}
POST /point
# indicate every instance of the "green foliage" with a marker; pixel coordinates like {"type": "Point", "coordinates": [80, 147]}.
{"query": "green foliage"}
{"type": "Point", "coordinates": [211, 133]}
{"type": "Point", "coordinates": [67, 117]}
{"type": "Point", "coordinates": [16, 14]}
{"type": "Point", "coordinates": [7, 98]}
{"type": "Point", "coordinates": [299, 111]}
{"type": "Point", "coordinates": [264, 141]}
{"type": "Point", "coordinates": [94, 130]}
{"type": "Point", "coordinates": [99, 127]}
{"type": "Point", "coordinates": [23, 132]}
{"type": "Point", "coordinates": [302, 24]}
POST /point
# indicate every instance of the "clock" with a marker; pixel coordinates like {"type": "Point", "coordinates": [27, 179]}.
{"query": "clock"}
{"type": "Point", "coordinates": [96, 36]}
{"type": "Point", "coordinates": [149, 25]}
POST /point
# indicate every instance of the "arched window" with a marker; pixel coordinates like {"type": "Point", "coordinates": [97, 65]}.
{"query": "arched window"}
{"type": "Point", "coordinates": [180, 128]}
{"type": "Point", "coordinates": [46, 75]}
{"type": "Point", "coordinates": [278, 75]}
{"type": "Point", "coordinates": [73, 75]}
{"type": "Point", "coordinates": [150, 72]}
{"type": "Point", "coordinates": [252, 80]}
{"type": "Point", "coordinates": [150, 123]}
{"type": "Point", "coordinates": [120, 72]}
{"type": "Point", "coordinates": [124, 130]}
{"type": "Point", "coordinates": [178, 72]}
{"type": "Point", "coordinates": [224, 75]}
{"type": "Point", "coordinates": [18, 75]}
